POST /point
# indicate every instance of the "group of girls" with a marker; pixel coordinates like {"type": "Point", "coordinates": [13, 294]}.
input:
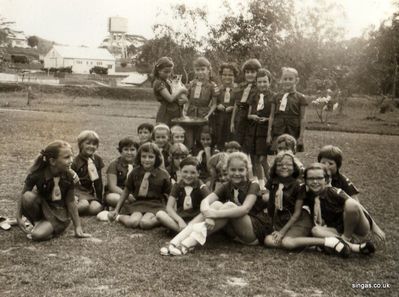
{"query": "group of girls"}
{"type": "Point", "coordinates": [197, 183]}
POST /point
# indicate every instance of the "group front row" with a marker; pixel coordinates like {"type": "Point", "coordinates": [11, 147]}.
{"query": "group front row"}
{"type": "Point", "coordinates": [289, 215]}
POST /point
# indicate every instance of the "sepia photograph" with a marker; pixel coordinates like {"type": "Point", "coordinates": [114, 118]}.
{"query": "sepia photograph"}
{"type": "Point", "coordinates": [181, 148]}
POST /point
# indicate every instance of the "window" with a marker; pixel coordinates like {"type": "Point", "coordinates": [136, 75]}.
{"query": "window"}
{"type": "Point", "coordinates": [99, 63]}
{"type": "Point", "coordinates": [78, 62]}
{"type": "Point", "coordinates": [109, 66]}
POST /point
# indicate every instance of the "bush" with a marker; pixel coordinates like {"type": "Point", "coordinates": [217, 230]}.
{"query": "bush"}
{"type": "Point", "coordinates": [99, 70]}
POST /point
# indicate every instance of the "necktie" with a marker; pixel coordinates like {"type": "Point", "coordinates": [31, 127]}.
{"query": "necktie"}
{"type": "Point", "coordinates": [227, 96]}
{"type": "Point", "coordinates": [261, 102]}
{"type": "Point", "coordinates": [188, 203]}
{"type": "Point", "coordinates": [129, 169]}
{"type": "Point", "coordinates": [317, 218]}
{"type": "Point", "coordinates": [283, 104]}
{"type": "Point", "coordinates": [245, 94]}
{"type": "Point", "coordinates": [278, 201]}
{"type": "Point", "coordinates": [197, 90]}
{"type": "Point", "coordinates": [56, 193]}
{"type": "Point", "coordinates": [93, 174]}
{"type": "Point", "coordinates": [143, 191]}
{"type": "Point", "coordinates": [236, 194]}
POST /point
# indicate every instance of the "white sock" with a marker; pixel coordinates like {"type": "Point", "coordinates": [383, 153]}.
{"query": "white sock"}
{"type": "Point", "coordinates": [330, 242]}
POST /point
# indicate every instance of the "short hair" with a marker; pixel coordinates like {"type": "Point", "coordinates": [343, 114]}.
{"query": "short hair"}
{"type": "Point", "coordinates": [88, 135]}
{"type": "Point", "coordinates": [164, 62]}
{"type": "Point", "coordinates": [177, 129]}
{"type": "Point", "coordinates": [331, 152]}
{"type": "Point", "coordinates": [190, 161]}
{"type": "Point", "coordinates": [290, 70]}
{"type": "Point", "coordinates": [202, 62]}
{"type": "Point", "coordinates": [148, 126]}
{"type": "Point", "coordinates": [251, 64]}
{"type": "Point", "coordinates": [231, 66]}
{"type": "Point", "coordinates": [232, 145]}
{"type": "Point", "coordinates": [178, 149]}
{"type": "Point", "coordinates": [288, 140]}
{"type": "Point", "coordinates": [279, 157]}
{"type": "Point", "coordinates": [127, 142]}
{"type": "Point", "coordinates": [239, 156]}
{"type": "Point", "coordinates": [149, 147]}
{"type": "Point", "coordinates": [263, 72]}
{"type": "Point", "coordinates": [161, 127]}
{"type": "Point", "coordinates": [317, 166]}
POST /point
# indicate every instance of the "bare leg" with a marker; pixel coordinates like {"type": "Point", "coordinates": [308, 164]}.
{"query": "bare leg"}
{"type": "Point", "coordinates": [94, 208]}
{"type": "Point", "coordinates": [112, 199]}
{"type": "Point", "coordinates": [131, 221]}
{"type": "Point", "coordinates": [167, 221]}
{"type": "Point", "coordinates": [83, 207]}
{"type": "Point", "coordinates": [31, 207]}
{"type": "Point", "coordinates": [43, 230]}
{"type": "Point", "coordinates": [148, 221]}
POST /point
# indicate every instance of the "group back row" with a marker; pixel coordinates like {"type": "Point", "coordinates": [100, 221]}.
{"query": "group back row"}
{"type": "Point", "coordinates": [198, 181]}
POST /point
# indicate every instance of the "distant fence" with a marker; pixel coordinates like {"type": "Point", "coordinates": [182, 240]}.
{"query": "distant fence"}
{"type": "Point", "coordinates": [83, 91]}
{"type": "Point", "coordinates": [7, 77]}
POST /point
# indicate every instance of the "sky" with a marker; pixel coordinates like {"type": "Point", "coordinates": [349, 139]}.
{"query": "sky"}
{"type": "Point", "coordinates": [84, 22]}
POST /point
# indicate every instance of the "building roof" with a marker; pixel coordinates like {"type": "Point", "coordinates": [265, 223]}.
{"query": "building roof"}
{"type": "Point", "coordinates": [83, 53]}
{"type": "Point", "coordinates": [135, 78]}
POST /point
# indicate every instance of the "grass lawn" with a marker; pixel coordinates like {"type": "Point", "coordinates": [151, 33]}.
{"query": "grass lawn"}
{"type": "Point", "coordinates": [124, 262]}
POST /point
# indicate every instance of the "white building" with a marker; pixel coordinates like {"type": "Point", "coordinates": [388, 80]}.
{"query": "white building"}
{"type": "Point", "coordinates": [18, 39]}
{"type": "Point", "coordinates": [82, 59]}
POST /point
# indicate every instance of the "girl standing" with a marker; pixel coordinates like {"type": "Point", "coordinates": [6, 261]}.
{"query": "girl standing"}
{"type": "Point", "coordinates": [170, 103]}
{"type": "Point", "coordinates": [258, 138]}
{"type": "Point", "coordinates": [49, 207]}
{"type": "Point", "coordinates": [242, 95]}
{"type": "Point", "coordinates": [150, 186]}
{"type": "Point", "coordinates": [202, 94]}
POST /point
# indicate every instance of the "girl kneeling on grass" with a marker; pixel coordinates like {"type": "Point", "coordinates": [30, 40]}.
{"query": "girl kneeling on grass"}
{"type": "Point", "coordinates": [49, 206]}
{"type": "Point", "coordinates": [149, 184]}
{"type": "Point", "coordinates": [185, 198]}
{"type": "Point", "coordinates": [235, 203]}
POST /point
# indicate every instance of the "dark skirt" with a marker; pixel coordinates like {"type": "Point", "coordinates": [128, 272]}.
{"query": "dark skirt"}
{"type": "Point", "coordinates": [302, 227]}
{"type": "Point", "coordinates": [144, 206]}
{"type": "Point", "coordinates": [284, 124]}
{"type": "Point", "coordinates": [255, 141]}
{"type": "Point", "coordinates": [83, 194]}
{"type": "Point", "coordinates": [262, 225]}
{"type": "Point", "coordinates": [165, 114]}
{"type": "Point", "coordinates": [241, 125]}
{"type": "Point", "coordinates": [54, 213]}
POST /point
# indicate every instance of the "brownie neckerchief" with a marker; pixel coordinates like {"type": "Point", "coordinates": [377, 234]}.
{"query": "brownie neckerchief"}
{"type": "Point", "coordinates": [129, 169]}
{"type": "Point", "coordinates": [283, 104]}
{"type": "Point", "coordinates": [278, 200]}
{"type": "Point", "coordinates": [197, 90]}
{"type": "Point", "coordinates": [261, 102]}
{"type": "Point", "coordinates": [317, 218]}
{"type": "Point", "coordinates": [188, 203]}
{"type": "Point", "coordinates": [227, 96]}
{"type": "Point", "coordinates": [56, 192]}
{"type": "Point", "coordinates": [245, 94]}
{"type": "Point", "coordinates": [91, 167]}
{"type": "Point", "coordinates": [143, 191]}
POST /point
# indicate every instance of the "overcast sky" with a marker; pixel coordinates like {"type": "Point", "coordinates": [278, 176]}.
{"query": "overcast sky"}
{"type": "Point", "coordinates": [84, 22]}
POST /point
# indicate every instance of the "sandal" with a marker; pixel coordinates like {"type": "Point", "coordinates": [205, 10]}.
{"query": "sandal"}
{"type": "Point", "coordinates": [342, 248]}
{"type": "Point", "coordinates": [367, 248]}
{"type": "Point", "coordinates": [164, 251]}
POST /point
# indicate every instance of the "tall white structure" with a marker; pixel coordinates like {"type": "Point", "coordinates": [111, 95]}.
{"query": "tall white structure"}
{"type": "Point", "coordinates": [117, 28]}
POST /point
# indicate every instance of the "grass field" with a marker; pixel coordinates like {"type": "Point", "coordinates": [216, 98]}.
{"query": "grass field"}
{"type": "Point", "coordinates": [122, 262]}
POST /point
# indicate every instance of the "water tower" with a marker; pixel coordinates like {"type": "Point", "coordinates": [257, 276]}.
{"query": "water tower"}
{"type": "Point", "coordinates": [117, 28]}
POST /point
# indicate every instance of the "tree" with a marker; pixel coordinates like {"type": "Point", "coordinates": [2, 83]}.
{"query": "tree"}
{"type": "Point", "coordinates": [33, 41]}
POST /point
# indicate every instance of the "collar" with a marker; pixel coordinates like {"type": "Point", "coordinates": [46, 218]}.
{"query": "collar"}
{"type": "Point", "coordinates": [241, 186]}
{"type": "Point", "coordinates": [287, 181]}
{"type": "Point", "coordinates": [122, 163]}
{"type": "Point", "coordinates": [153, 171]}
{"type": "Point", "coordinates": [194, 185]}
{"type": "Point", "coordinates": [80, 160]}
{"type": "Point", "coordinates": [47, 174]}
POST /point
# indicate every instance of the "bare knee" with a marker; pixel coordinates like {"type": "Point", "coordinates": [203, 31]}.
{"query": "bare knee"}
{"type": "Point", "coordinates": [317, 231]}
{"type": "Point", "coordinates": [228, 204]}
{"type": "Point", "coordinates": [95, 207]}
{"type": "Point", "coordinates": [40, 234]}
{"type": "Point", "coordinates": [112, 199]}
{"type": "Point", "coordinates": [161, 214]}
{"type": "Point", "coordinates": [148, 223]}
{"type": "Point", "coordinates": [269, 241]}
{"type": "Point", "coordinates": [216, 205]}
{"type": "Point", "coordinates": [29, 198]}
{"type": "Point", "coordinates": [352, 206]}
{"type": "Point", "coordinates": [83, 206]}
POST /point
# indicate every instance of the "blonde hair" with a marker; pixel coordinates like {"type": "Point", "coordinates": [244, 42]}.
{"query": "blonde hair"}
{"type": "Point", "coordinates": [178, 148]}
{"type": "Point", "coordinates": [177, 129]}
{"type": "Point", "coordinates": [238, 156]}
{"type": "Point", "coordinates": [88, 134]}
{"type": "Point", "coordinates": [289, 70]}
{"type": "Point", "coordinates": [160, 127]}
